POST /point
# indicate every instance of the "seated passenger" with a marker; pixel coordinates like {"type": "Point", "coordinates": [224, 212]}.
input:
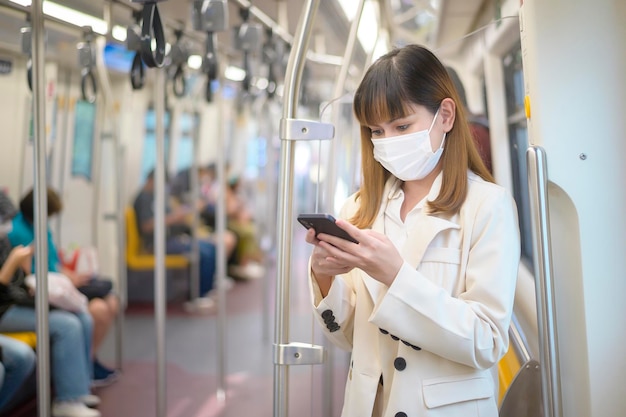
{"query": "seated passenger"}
{"type": "Point", "coordinates": [103, 304]}
{"type": "Point", "coordinates": [177, 240]}
{"type": "Point", "coordinates": [70, 334]}
{"type": "Point", "coordinates": [249, 255]}
{"type": "Point", "coordinates": [245, 260]}
{"type": "Point", "coordinates": [18, 361]}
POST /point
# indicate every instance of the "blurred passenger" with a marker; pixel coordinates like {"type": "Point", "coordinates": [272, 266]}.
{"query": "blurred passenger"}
{"type": "Point", "coordinates": [103, 304]}
{"type": "Point", "coordinates": [177, 240]}
{"type": "Point", "coordinates": [70, 335]}
{"type": "Point", "coordinates": [249, 256]}
{"type": "Point", "coordinates": [17, 360]}
{"type": "Point", "coordinates": [478, 124]}
{"type": "Point", "coordinates": [424, 300]}
{"type": "Point", "coordinates": [245, 260]}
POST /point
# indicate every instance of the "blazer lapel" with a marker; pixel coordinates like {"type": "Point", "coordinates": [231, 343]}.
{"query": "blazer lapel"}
{"type": "Point", "coordinates": [425, 229]}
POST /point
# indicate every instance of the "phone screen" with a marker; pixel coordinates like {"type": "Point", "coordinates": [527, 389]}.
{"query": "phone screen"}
{"type": "Point", "coordinates": [324, 223]}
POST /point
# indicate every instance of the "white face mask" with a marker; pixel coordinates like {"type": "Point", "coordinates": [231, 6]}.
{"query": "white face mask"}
{"type": "Point", "coordinates": [409, 157]}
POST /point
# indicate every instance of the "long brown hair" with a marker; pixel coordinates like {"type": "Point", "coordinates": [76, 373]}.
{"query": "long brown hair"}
{"type": "Point", "coordinates": [402, 77]}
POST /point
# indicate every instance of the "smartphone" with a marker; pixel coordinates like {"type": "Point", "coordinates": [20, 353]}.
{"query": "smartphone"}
{"type": "Point", "coordinates": [324, 223]}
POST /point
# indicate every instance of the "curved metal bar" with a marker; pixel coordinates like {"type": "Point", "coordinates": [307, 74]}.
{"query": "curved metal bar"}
{"type": "Point", "coordinates": [152, 24]}
{"type": "Point", "coordinates": [179, 83]}
{"type": "Point", "coordinates": [41, 212]}
{"type": "Point", "coordinates": [86, 79]}
{"type": "Point", "coordinates": [293, 78]}
{"type": "Point", "coordinates": [518, 339]}
{"type": "Point", "coordinates": [544, 287]}
{"type": "Point", "coordinates": [137, 73]}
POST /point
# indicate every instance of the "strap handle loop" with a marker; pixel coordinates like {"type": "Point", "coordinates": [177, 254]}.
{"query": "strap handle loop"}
{"type": "Point", "coordinates": [152, 25]}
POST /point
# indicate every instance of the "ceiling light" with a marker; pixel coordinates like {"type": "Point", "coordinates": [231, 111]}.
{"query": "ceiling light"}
{"type": "Point", "coordinates": [119, 33]}
{"type": "Point", "coordinates": [194, 62]}
{"type": "Point", "coordinates": [70, 16]}
{"type": "Point", "coordinates": [234, 73]}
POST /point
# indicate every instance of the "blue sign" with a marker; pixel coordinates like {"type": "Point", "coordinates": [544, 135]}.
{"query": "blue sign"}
{"type": "Point", "coordinates": [82, 151]}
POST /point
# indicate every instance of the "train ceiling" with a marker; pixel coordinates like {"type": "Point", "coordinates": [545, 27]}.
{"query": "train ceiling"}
{"type": "Point", "coordinates": [436, 23]}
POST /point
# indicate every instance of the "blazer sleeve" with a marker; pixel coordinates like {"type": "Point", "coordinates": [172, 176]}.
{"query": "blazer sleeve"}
{"type": "Point", "coordinates": [335, 312]}
{"type": "Point", "coordinates": [472, 327]}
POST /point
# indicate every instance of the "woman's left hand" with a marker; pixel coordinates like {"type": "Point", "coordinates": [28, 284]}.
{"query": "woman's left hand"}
{"type": "Point", "coordinates": [375, 254]}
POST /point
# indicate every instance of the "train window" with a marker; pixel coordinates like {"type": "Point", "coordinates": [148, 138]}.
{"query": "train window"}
{"type": "Point", "coordinates": [148, 160]}
{"type": "Point", "coordinates": [518, 137]}
{"type": "Point", "coordinates": [184, 144]}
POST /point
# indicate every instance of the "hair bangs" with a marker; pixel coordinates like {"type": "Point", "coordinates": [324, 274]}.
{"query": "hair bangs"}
{"type": "Point", "coordinates": [380, 97]}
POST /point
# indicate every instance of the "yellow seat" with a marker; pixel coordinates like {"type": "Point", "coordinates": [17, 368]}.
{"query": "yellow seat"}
{"type": "Point", "coordinates": [136, 258]}
{"type": "Point", "coordinates": [508, 367]}
{"type": "Point", "coordinates": [30, 338]}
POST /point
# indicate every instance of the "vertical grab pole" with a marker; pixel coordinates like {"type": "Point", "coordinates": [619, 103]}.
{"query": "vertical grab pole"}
{"type": "Point", "coordinates": [328, 389]}
{"type": "Point", "coordinates": [293, 78]}
{"type": "Point", "coordinates": [338, 92]}
{"type": "Point", "coordinates": [194, 279]}
{"type": "Point", "coordinates": [544, 286]}
{"type": "Point", "coordinates": [121, 242]}
{"type": "Point", "coordinates": [220, 266]}
{"type": "Point", "coordinates": [159, 242]}
{"type": "Point", "coordinates": [41, 212]}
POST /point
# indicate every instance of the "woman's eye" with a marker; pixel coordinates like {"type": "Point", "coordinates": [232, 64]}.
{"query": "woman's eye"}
{"type": "Point", "coordinates": [403, 127]}
{"type": "Point", "coordinates": [376, 132]}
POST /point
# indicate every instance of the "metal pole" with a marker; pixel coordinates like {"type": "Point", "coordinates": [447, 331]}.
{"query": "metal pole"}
{"type": "Point", "coordinates": [544, 287]}
{"type": "Point", "coordinates": [159, 242]}
{"type": "Point", "coordinates": [328, 369]}
{"type": "Point", "coordinates": [293, 78]}
{"type": "Point", "coordinates": [121, 264]}
{"type": "Point", "coordinates": [336, 109]}
{"type": "Point", "coordinates": [220, 272]}
{"type": "Point", "coordinates": [41, 211]}
{"type": "Point", "coordinates": [63, 138]}
{"type": "Point", "coordinates": [108, 106]}
{"type": "Point", "coordinates": [194, 279]}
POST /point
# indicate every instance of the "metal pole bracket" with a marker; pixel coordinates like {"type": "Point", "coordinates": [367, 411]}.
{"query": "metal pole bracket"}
{"type": "Point", "coordinates": [297, 353]}
{"type": "Point", "coordinates": [298, 129]}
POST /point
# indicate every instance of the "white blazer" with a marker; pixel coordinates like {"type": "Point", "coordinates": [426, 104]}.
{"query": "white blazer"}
{"type": "Point", "coordinates": [430, 343]}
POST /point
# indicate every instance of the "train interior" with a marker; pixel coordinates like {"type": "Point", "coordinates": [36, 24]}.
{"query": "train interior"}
{"type": "Point", "coordinates": [218, 99]}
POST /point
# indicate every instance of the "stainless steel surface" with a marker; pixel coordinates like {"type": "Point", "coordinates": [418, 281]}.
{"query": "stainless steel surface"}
{"type": "Point", "coordinates": [159, 243]}
{"type": "Point", "coordinates": [111, 119]}
{"type": "Point", "coordinates": [519, 341]}
{"type": "Point", "coordinates": [121, 262]}
{"type": "Point", "coordinates": [544, 287]}
{"type": "Point", "coordinates": [220, 273]}
{"type": "Point", "coordinates": [293, 78]}
{"type": "Point", "coordinates": [41, 212]}
{"type": "Point", "coordinates": [194, 278]}
{"type": "Point", "coordinates": [523, 398]}
{"type": "Point", "coordinates": [297, 129]}
{"type": "Point", "coordinates": [297, 353]}
{"type": "Point", "coordinates": [331, 175]}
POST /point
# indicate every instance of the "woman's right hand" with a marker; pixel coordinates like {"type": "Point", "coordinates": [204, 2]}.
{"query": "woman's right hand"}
{"type": "Point", "coordinates": [320, 264]}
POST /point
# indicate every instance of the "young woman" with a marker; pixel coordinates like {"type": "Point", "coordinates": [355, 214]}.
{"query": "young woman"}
{"type": "Point", "coordinates": [424, 299]}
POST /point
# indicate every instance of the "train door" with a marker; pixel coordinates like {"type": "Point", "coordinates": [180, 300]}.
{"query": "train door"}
{"type": "Point", "coordinates": [574, 64]}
